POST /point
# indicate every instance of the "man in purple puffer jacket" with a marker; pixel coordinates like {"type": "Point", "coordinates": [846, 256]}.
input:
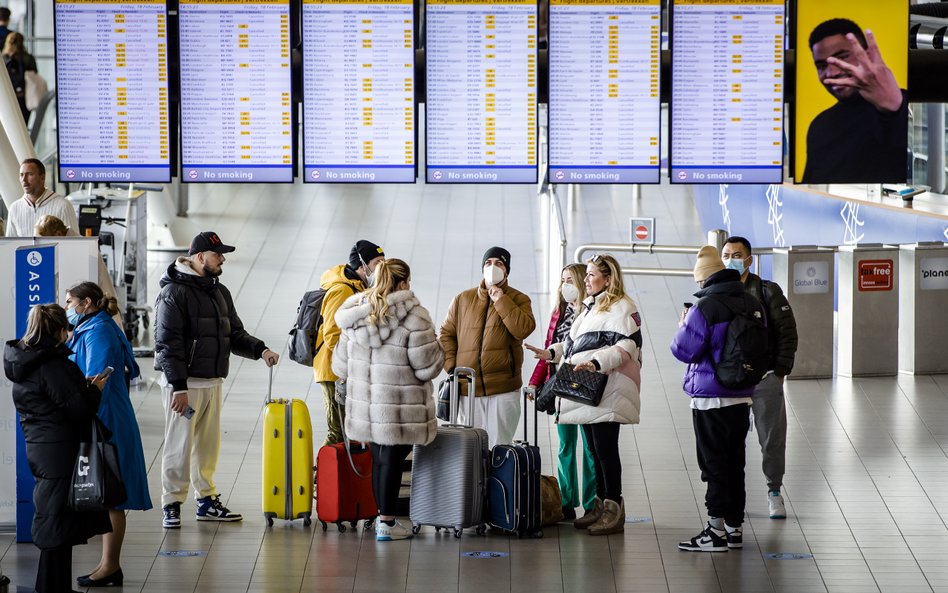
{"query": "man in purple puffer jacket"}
{"type": "Point", "coordinates": [720, 415]}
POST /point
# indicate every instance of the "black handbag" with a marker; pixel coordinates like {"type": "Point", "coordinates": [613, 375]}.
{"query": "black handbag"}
{"type": "Point", "coordinates": [443, 407]}
{"type": "Point", "coordinates": [96, 479]}
{"type": "Point", "coordinates": [583, 387]}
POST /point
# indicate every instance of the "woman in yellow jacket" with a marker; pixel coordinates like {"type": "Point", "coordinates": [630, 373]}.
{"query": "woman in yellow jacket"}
{"type": "Point", "coordinates": [484, 330]}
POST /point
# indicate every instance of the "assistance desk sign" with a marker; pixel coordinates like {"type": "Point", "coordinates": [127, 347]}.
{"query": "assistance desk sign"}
{"type": "Point", "coordinates": [359, 91]}
{"type": "Point", "coordinates": [727, 91]}
{"type": "Point", "coordinates": [605, 108]}
{"type": "Point", "coordinates": [236, 111]}
{"type": "Point", "coordinates": [481, 110]}
{"type": "Point", "coordinates": [112, 91]}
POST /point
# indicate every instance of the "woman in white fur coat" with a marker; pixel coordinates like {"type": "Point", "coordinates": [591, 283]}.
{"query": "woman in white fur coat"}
{"type": "Point", "coordinates": [604, 338]}
{"type": "Point", "coordinates": [388, 354]}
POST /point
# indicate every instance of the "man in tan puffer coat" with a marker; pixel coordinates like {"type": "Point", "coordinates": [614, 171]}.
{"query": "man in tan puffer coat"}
{"type": "Point", "coordinates": [484, 330]}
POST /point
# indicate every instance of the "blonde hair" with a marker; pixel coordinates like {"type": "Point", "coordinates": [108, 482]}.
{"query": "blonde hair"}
{"type": "Point", "coordinates": [14, 44]}
{"type": "Point", "coordinates": [610, 268]}
{"type": "Point", "coordinates": [388, 275]}
{"type": "Point", "coordinates": [44, 320]}
{"type": "Point", "coordinates": [576, 272]}
{"type": "Point", "coordinates": [100, 300]}
{"type": "Point", "coordinates": [50, 226]}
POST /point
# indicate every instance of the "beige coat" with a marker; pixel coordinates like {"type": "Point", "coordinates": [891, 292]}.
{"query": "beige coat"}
{"type": "Point", "coordinates": [388, 369]}
{"type": "Point", "coordinates": [488, 337]}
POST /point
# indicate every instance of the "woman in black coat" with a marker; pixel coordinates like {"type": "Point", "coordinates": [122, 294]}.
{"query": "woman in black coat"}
{"type": "Point", "coordinates": [55, 403]}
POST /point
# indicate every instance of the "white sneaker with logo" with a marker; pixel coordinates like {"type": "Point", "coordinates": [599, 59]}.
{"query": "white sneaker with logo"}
{"type": "Point", "coordinates": [389, 533]}
{"type": "Point", "coordinates": [709, 540]}
{"type": "Point", "coordinates": [776, 506]}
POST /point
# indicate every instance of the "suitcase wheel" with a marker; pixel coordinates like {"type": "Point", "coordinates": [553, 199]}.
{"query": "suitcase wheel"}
{"type": "Point", "coordinates": [537, 534]}
{"type": "Point", "coordinates": [354, 524]}
{"type": "Point", "coordinates": [341, 527]}
{"type": "Point", "coordinates": [480, 530]}
{"type": "Point", "coordinates": [415, 529]}
{"type": "Point", "coordinates": [368, 524]}
{"type": "Point", "coordinates": [457, 532]}
{"type": "Point", "coordinates": [324, 526]}
{"type": "Point", "coordinates": [437, 530]}
{"type": "Point", "coordinates": [269, 521]}
{"type": "Point", "coordinates": [307, 521]}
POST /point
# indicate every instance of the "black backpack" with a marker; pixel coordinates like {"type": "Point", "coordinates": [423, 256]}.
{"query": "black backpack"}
{"type": "Point", "coordinates": [745, 358]}
{"type": "Point", "coordinates": [309, 318]}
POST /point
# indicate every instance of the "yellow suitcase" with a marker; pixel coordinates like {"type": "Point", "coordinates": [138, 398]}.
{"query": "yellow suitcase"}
{"type": "Point", "coordinates": [287, 460]}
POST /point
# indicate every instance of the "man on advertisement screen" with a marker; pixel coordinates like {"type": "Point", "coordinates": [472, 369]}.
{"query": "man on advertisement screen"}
{"type": "Point", "coordinates": [864, 136]}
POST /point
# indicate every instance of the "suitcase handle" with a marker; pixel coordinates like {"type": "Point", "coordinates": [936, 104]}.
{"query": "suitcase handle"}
{"type": "Point", "coordinates": [526, 390]}
{"type": "Point", "coordinates": [269, 387]}
{"type": "Point", "coordinates": [455, 404]}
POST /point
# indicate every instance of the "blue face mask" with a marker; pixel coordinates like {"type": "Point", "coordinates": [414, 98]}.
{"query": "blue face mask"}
{"type": "Point", "coordinates": [73, 316]}
{"type": "Point", "coordinates": [735, 264]}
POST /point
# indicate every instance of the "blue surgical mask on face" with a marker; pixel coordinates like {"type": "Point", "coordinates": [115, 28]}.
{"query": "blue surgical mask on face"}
{"type": "Point", "coordinates": [73, 316]}
{"type": "Point", "coordinates": [735, 264]}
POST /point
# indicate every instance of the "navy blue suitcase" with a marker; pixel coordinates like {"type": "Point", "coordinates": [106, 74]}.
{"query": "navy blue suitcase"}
{"type": "Point", "coordinates": [513, 485]}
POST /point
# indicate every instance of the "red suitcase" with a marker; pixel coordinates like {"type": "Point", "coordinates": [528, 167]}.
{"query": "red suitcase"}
{"type": "Point", "coordinates": [344, 493]}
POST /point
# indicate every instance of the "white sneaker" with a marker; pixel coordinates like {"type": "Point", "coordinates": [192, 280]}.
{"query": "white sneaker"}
{"type": "Point", "coordinates": [388, 533]}
{"type": "Point", "coordinates": [775, 503]}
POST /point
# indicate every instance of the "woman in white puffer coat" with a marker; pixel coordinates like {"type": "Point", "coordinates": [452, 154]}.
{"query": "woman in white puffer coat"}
{"type": "Point", "coordinates": [604, 338]}
{"type": "Point", "coordinates": [388, 354]}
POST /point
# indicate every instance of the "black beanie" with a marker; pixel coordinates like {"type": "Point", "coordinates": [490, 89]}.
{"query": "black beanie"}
{"type": "Point", "coordinates": [366, 250]}
{"type": "Point", "coordinates": [498, 252]}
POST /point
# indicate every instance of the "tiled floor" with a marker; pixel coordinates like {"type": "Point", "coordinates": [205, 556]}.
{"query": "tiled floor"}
{"type": "Point", "coordinates": [866, 476]}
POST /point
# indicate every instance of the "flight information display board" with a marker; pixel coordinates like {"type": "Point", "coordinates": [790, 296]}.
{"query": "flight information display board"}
{"type": "Point", "coordinates": [605, 108]}
{"type": "Point", "coordinates": [727, 91]}
{"type": "Point", "coordinates": [481, 111]}
{"type": "Point", "coordinates": [358, 91]}
{"type": "Point", "coordinates": [236, 123]}
{"type": "Point", "coordinates": [112, 91]}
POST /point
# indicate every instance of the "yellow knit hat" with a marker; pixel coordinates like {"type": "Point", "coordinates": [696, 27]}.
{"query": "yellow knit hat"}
{"type": "Point", "coordinates": [709, 262]}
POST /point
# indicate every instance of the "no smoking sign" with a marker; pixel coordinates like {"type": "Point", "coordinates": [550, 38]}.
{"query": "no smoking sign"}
{"type": "Point", "coordinates": [642, 230]}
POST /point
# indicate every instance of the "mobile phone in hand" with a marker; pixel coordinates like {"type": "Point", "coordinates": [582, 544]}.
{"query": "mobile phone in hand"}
{"type": "Point", "coordinates": [105, 374]}
{"type": "Point", "coordinates": [188, 412]}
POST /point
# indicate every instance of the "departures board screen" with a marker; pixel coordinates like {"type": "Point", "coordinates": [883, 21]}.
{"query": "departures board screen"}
{"type": "Point", "coordinates": [358, 91]}
{"type": "Point", "coordinates": [236, 123]}
{"type": "Point", "coordinates": [605, 108]}
{"type": "Point", "coordinates": [481, 110]}
{"type": "Point", "coordinates": [727, 91]}
{"type": "Point", "coordinates": [112, 91]}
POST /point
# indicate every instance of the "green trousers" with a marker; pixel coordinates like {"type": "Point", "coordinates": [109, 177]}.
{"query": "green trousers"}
{"type": "Point", "coordinates": [567, 472]}
{"type": "Point", "coordinates": [335, 415]}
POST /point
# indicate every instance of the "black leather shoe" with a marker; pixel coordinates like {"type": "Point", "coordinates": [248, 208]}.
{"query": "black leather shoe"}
{"type": "Point", "coordinates": [114, 579]}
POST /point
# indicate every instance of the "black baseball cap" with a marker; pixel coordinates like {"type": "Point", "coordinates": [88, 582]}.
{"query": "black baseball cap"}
{"type": "Point", "coordinates": [209, 241]}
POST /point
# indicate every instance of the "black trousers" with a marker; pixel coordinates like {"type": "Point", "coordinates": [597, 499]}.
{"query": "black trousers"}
{"type": "Point", "coordinates": [603, 441]}
{"type": "Point", "coordinates": [54, 573]}
{"type": "Point", "coordinates": [387, 462]}
{"type": "Point", "coordinates": [719, 440]}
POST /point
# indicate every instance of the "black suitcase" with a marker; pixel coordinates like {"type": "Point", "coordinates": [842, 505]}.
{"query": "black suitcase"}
{"type": "Point", "coordinates": [513, 484]}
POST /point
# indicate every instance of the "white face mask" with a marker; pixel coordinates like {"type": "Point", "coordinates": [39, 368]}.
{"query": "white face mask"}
{"type": "Point", "coordinates": [370, 279]}
{"type": "Point", "coordinates": [493, 275]}
{"type": "Point", "coordinates": [570, 293]}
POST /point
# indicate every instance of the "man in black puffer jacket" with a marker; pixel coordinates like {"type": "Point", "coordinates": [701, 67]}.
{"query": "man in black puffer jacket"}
{"type": "Point", "coordinates": [770, 411]}
{"type": "Point", "coordinates": [196, 329]}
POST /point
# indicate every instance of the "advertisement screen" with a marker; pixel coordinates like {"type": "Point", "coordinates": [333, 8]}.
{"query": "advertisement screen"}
{"type": "Point", "coordinates": [851, 109]}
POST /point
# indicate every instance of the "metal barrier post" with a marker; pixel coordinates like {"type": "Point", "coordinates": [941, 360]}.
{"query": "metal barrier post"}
{"type": "Point", "coordinates": [806, 274]}
{"type": "Point", "coordinates": [717, 238]}
{"type": "Point", "coordinates": [868, 310]}
{"type": "Point", "coordinates": [923, 294]}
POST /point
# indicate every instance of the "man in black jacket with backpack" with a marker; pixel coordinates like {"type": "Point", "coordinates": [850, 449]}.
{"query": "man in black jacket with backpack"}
{"type": "Point", "coordinates": [196, 329]}
{"type": "Point", "coordinates": [770, 411]}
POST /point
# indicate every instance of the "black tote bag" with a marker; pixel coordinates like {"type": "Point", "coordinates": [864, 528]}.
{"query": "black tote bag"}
{"type": "Point", "coordinates": [96, 479]}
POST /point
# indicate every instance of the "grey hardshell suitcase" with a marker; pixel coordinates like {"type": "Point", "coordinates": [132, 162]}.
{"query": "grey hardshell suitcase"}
{"type": "Point", "coordinates": [448, 477]}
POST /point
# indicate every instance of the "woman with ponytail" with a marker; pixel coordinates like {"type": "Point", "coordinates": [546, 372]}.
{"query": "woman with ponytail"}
{"type": "Point", "coordinates": [98, 342]}
{"type": "Point", "coordinates": [56, 402]}
{"type": "Point", "coordinates": [388, 354]}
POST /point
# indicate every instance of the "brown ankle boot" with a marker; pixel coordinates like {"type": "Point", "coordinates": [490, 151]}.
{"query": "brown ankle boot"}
{"type": "Point", "coordinates": [612, 520]}
{"type": "Point", "coordinates": [591, 516]}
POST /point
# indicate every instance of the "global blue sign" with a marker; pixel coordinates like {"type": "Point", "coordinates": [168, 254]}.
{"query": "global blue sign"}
{"type": "Point", "coordinates": [35, 281]}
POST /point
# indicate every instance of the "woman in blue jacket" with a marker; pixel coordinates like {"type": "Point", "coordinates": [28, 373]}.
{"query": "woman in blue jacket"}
{"type": "Point", "coordinates": [98, 342]}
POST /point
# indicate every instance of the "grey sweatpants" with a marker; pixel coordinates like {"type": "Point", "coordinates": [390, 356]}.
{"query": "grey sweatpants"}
{"type": "Point", "coordinates": [770, 422]}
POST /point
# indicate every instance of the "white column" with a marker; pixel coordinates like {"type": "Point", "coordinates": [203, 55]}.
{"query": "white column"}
{"type": "Point", "coordinates": [16, 140]}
